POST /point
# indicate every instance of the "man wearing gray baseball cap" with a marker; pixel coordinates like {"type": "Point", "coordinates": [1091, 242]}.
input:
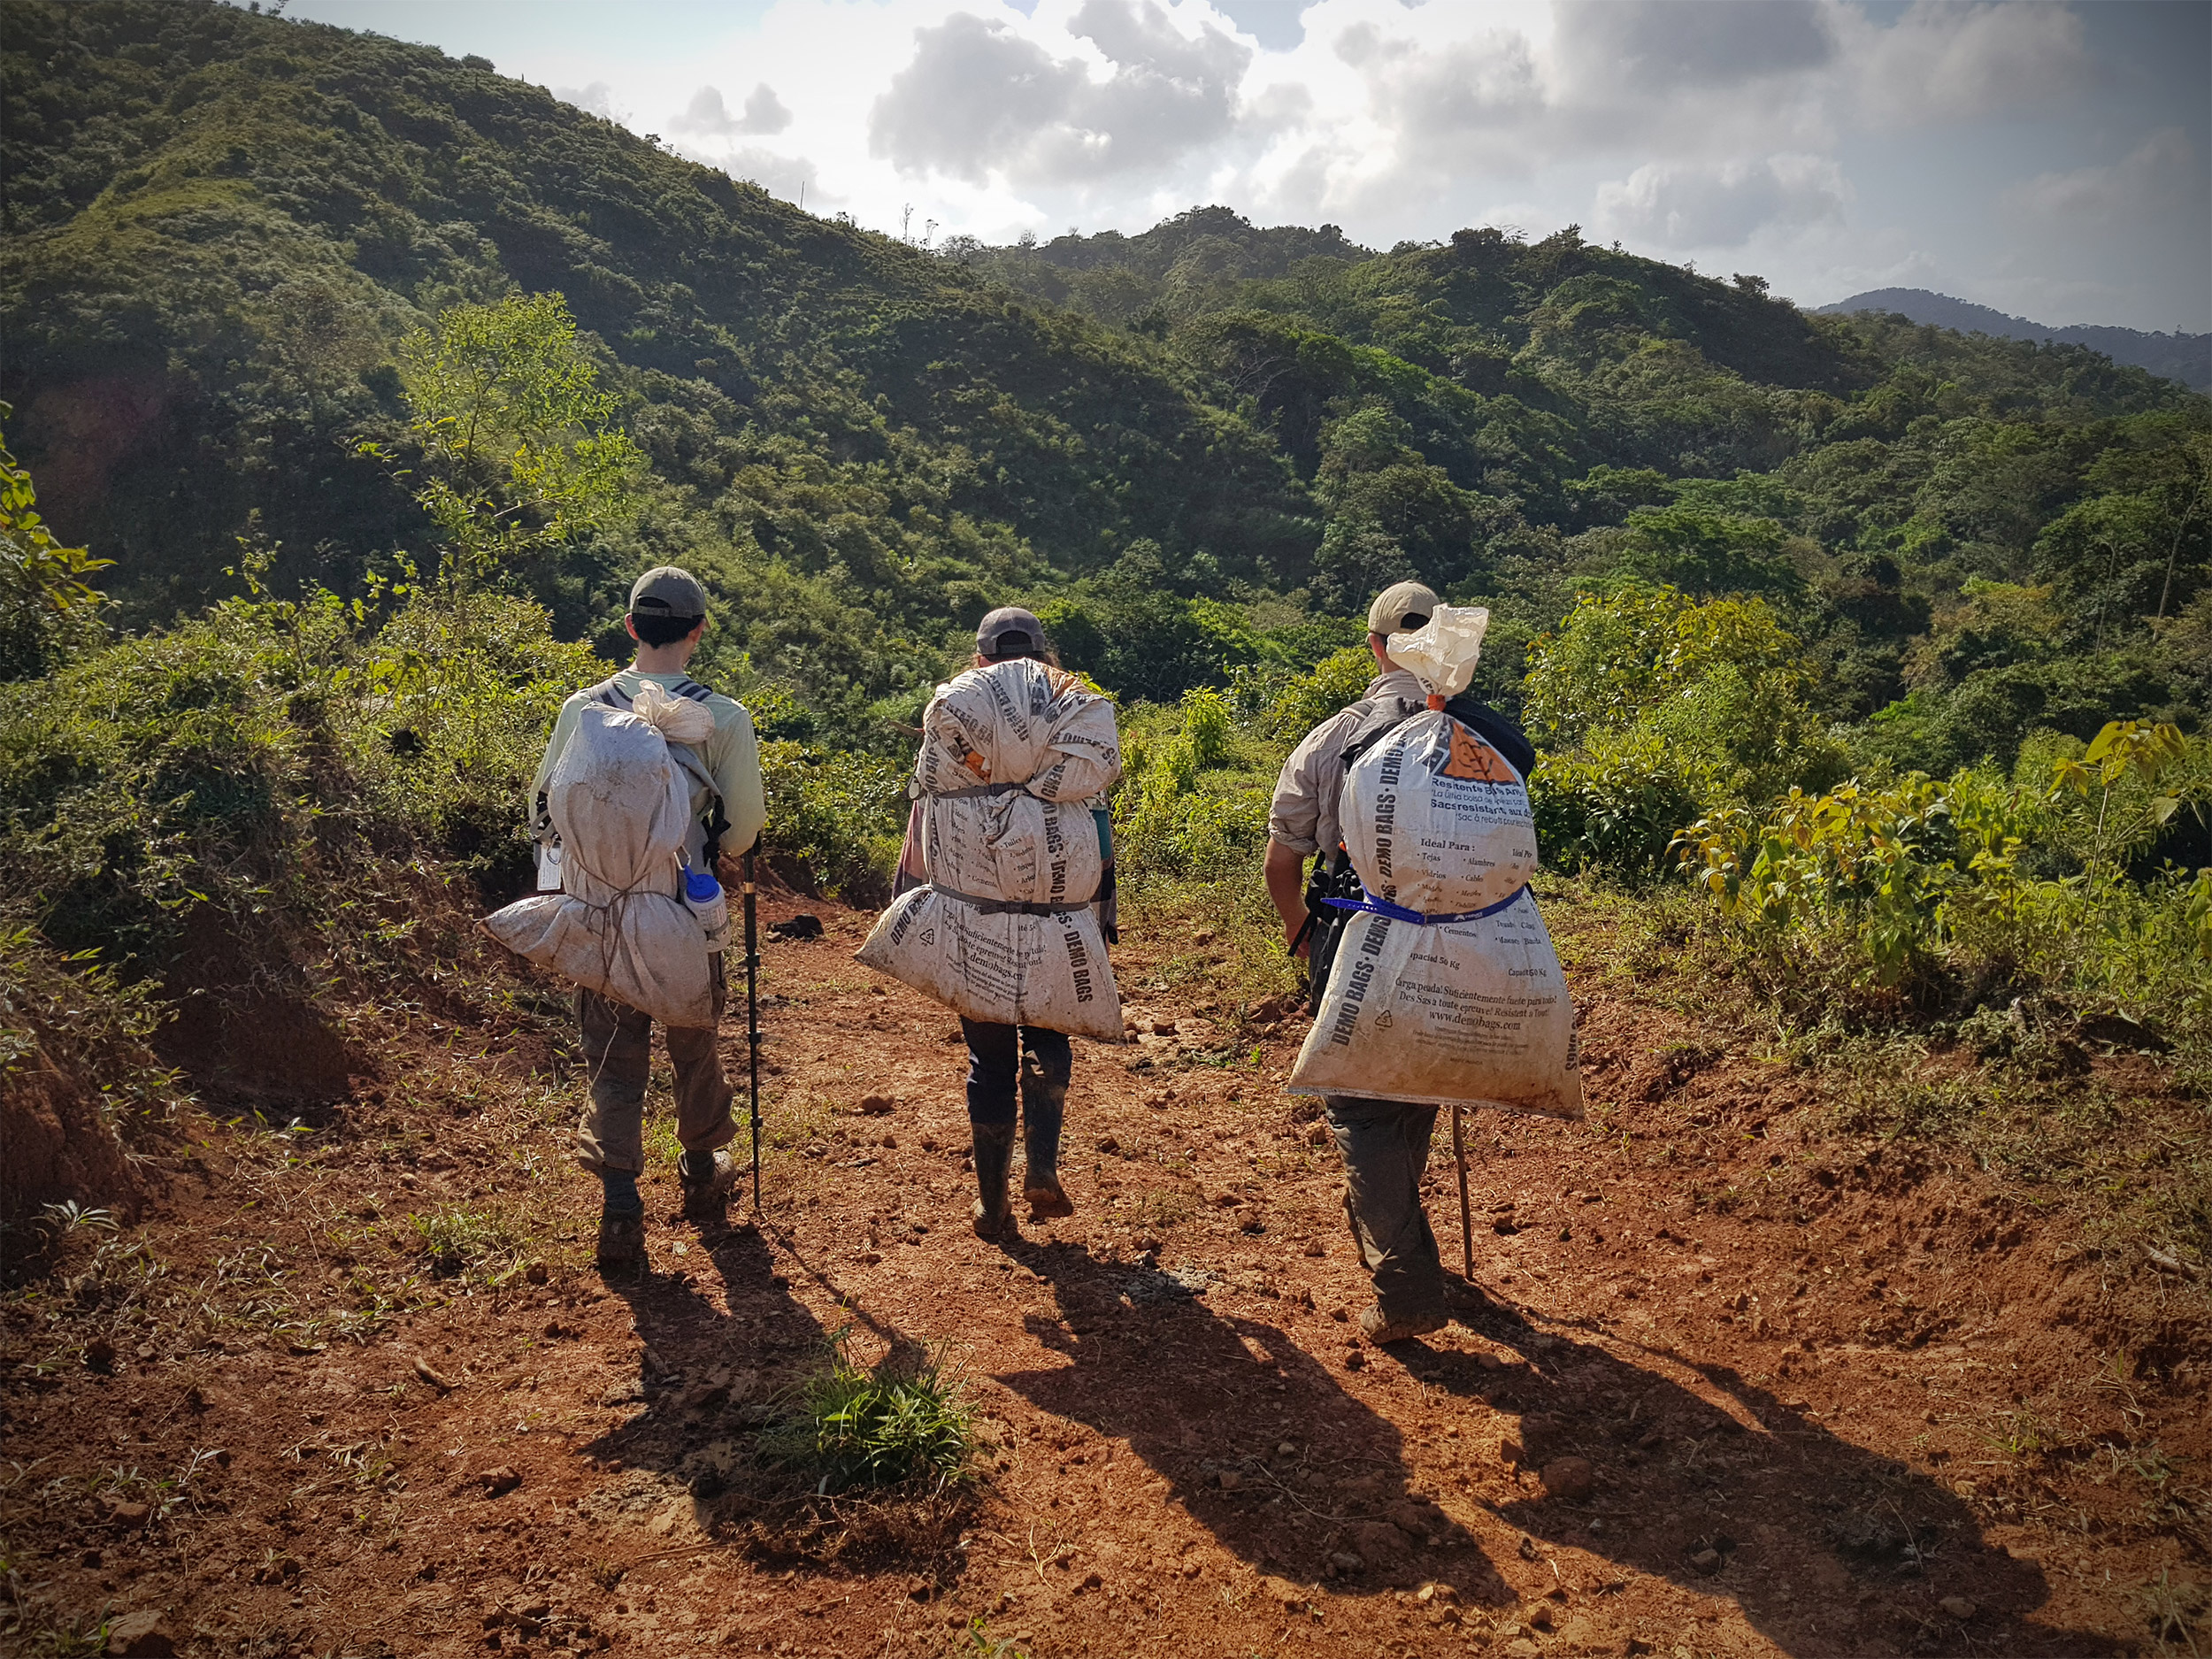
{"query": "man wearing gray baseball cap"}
{"type": "Point", "coordinates": [667, 617]}
{"type": "Point", "coordinates": [1384, 1144]}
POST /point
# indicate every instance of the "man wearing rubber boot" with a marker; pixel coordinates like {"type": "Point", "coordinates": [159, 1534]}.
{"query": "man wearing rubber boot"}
{"type": "Point", "coordinates": [667, 619]}
{"type": "Point", "coordinates": [1003, 1059]}
{"type": "Point", "coordinates": [1043, 1059]}
{"type": "Point", "coordinates": [1384, 1144]}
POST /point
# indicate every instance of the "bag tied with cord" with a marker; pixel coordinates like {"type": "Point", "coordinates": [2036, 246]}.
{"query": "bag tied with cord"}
{"type": "Point", "coordinates": [1005, 930]}
{"type": "Point", "coordinates": [622, 806]}
{"type": "Point", "coordinates": [1445, 987]}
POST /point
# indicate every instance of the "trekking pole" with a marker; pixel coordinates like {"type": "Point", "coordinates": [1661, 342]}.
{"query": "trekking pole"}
{"type": "Point", "coordinates": [752, 1023]}
{"type": "Point", "coordinates": [1466, 1221]}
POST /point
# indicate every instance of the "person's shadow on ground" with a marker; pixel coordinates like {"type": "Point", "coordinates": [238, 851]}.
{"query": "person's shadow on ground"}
{"type": "Point", "coordinates": [711, 1378]}
{"type": "Point", "coordinates": [1826, 1547]}
{"type": "Point", "coordinates": [1252, 1436]}
{"type": "Point", "coordinates": [705, 1372]}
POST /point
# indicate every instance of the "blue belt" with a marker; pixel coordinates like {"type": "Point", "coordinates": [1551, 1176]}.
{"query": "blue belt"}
{"type": "Point", "coordinates": [1399, 913]}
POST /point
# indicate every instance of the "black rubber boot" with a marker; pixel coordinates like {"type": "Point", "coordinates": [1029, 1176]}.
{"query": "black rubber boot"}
{"type": "Point", "coordinates": [1044, 1103]}
{"type": "Point", "coordinates": [994, 1152]}
{"type": "Point", "coordinates": [621, 1223]}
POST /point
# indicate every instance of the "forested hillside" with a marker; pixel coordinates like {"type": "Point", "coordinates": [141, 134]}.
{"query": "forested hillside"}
{"type": "Point", "coordinates": [220, 226]}
{"type": "Point", "coordinates": [347, 387]}
{"type": "Point", "coordinates": [2179, 356]}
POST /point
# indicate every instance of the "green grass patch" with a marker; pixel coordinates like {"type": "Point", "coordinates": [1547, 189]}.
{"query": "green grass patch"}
{"type": "Point", "coordinates": [846, 1427]}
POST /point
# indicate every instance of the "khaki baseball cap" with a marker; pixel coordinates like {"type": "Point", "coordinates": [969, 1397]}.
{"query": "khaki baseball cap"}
{"type": "Point", "coordinates": [991, 633]}
{"type": "Point", "coordinates": [668, 591]}
{"type": "Point", "coordinates": [1401, 607]}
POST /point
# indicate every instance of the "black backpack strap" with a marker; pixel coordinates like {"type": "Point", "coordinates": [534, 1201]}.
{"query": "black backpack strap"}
{"type": "Point", "coordinates": [1385, 715]}
{"type": "Point", "coordinates": [1380, 717]}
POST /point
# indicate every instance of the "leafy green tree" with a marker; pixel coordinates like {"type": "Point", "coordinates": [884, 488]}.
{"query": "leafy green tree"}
{"type": "Point", "coordinates": [2148, 531]}
{"type": "Point", "coordinates": [1708, 553]}
{"type": "Point", "coordinates": [1617, 658]}
{"type": "Point", "coordinates": [517, 439]}
{"type": "Point", "coordinates": [46, 605]}
{"type": "Point", "coordinates": [1721, 687]}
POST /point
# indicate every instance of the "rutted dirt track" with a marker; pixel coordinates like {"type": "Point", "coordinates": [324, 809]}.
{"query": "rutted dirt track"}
{"type": "Point", "coordinates": [1735, 1392]}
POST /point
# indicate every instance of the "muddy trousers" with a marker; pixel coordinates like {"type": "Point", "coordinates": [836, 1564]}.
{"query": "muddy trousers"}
{"type": "Point", "coordinates": [618, 1059]}
{"type": "Point", "coordinates": [1385, 1145]}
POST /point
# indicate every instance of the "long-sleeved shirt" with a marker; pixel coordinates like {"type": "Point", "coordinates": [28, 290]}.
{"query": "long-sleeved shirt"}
{"type": "Point", "coordinates": [730, 757]}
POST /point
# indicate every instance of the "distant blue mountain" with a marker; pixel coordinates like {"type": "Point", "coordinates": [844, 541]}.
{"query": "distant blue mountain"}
{"type": "Point", "coordinates": [2184, 357]}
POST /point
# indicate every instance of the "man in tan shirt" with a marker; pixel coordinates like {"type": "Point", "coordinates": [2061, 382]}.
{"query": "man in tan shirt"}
{"type": "Point", "coordinates": [1384, 1144]}
{"type": "Point", "coordinates": [667, 619]}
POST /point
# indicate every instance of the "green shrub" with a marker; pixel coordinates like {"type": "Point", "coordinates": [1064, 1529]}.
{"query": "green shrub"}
{"type": "Point", "coordinates": [843, 814]}
{"type": "Point", "coordinates": [1616, 659]}
{"type": "Point", "coordinates": [1872, 865]}
{"type": "Point", "coordinates": [1615, 806]}
{"type": "Point", "coordinates": [47, 608]}
{"type": "Point", "coordinates": [848, 1427]}
{"type": "Point", "coordinates": [1927, 890]}
{"type": "Point", "coordinates": [246, 760]}
{"type": "Point", "coordinates": [1335, 683]}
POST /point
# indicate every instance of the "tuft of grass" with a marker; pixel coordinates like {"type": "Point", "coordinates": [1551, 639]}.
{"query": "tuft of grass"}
{"type": "Point", "coordinates": [457, 1242]}
{"type": "Point", "coordinates": [2174, 1612]}
{"type": "Point", "coordinates": [846, 1427]}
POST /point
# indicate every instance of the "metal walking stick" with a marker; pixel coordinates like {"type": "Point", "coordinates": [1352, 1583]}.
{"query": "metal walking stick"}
{"type": "Point", "coordinates": [1466, 1222]}
{"type": "Point", "coordinates": [752, 1022]}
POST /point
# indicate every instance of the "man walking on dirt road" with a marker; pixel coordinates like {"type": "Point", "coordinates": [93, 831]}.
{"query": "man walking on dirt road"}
{"type": "Point", "coordinates": [667, 619]}
{"type": "Point", "coordinates": [1384, 1144]}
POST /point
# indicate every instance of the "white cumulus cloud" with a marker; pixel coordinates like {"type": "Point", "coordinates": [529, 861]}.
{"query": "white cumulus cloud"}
{"type": "Point", "coordinates": [1721, 205]}
{"type": "Point", "coordinates": [708, 116]}
{"type": "Point", "coordinates": [981, 96]}
{"type": "Point", "coordinates": [1675, 125]}
{"type": "Point", "coordinates": [2160, 172]}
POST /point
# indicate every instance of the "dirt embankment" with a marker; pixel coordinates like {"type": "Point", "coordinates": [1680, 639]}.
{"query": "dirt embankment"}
{"type": "Point", "coordinates": [1741, 1387]}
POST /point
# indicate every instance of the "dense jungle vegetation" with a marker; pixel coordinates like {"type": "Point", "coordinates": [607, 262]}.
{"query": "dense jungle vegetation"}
{"type": "Point", "coordinates": [1898, 641]}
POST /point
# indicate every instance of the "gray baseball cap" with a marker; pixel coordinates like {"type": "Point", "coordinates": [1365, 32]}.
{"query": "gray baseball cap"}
{"type": "Point", "coordinates": [667, 591]}
{"type": "Point", "coordinates": [994, 636]}
{"type": "Point", "coordinates": [1401, 606]}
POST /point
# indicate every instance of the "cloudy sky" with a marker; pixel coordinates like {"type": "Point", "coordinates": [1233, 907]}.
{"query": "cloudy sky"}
{"type": "Point", "coordinates": [2049, 159]}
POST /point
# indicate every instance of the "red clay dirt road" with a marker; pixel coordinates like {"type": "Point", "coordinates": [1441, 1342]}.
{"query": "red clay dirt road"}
{"type": "Point", "coordinates": [1790, 1428]}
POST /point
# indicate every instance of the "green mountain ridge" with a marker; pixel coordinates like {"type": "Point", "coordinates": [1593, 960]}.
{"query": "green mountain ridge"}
{"type": "Point", "coordinates": [1196, 444]}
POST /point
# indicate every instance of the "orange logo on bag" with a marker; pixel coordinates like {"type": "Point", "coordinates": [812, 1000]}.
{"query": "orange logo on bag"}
{"type": "Point", "coordinates": [1474, 760]}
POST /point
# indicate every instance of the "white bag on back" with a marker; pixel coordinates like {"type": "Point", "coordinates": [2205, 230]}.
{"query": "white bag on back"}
{"type": "Point", "coordinates": [1005, 967]}
{"type": "Point", "coordinates": [1450, 990]}
{"type": "Point", "coordinates": [1019, 723]}
{"type": "Point", "coordinates": [1011, 846]}
{"type": "Point", "coordinates": [1473, 1011]}
{"type": "Point", "coordinates": [619, 927]}
{"type": "Point", "coordinates": [1010, 755]}
{"type": "Point", "coordinates": [1437, 820]}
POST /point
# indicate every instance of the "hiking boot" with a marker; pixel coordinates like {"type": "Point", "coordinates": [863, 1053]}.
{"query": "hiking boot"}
{"type": "Point", "coordinates": [994, 1152]}
{"type": "Point", "coordinates": [621, 1241]}
{"type": "Point", "coordinates": [1378, 1327]}
{"type": "Point", "coordinates": [706, 1191]}
{"type": "Point", "coordinates": [1044, 1104]}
